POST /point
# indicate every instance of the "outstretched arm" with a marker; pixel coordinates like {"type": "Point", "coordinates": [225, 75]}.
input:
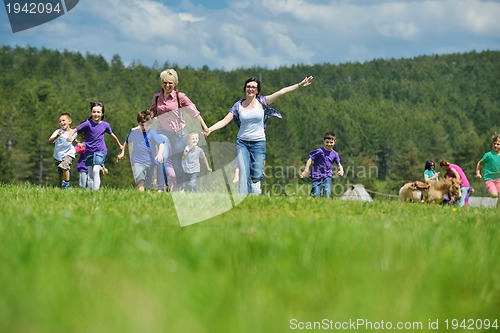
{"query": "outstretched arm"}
{"type": "Point", "coordinates": [202, 123]}
{"type": "Point", "coordinates": [117, 140]}
{"type": "Point", "coordinates": [71, 135]}
{"type": "Point", "coordinates": [120, 156]}
{"type": "Point", "coordinates": [220, 124]}
{"type": "Point", "coordinates": [304, 83]}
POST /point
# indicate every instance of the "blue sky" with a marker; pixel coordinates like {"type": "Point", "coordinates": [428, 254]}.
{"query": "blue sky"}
{"type": "Point", "coordinates": [268, 33]}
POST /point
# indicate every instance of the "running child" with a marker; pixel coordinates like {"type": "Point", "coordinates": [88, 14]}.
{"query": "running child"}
{"type": "Point", "coordinates": [322, 160]}
{"type": "Point", "coordinates": [64, 151]}
{"type": "Point", "coordinates": [95, 148]}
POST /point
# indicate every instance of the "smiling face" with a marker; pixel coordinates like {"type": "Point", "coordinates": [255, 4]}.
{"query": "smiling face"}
{"type": "Point", "coordinates": [65, 122]}
{"type": "Point", "coordinates": [193, 139]}
{"type": "Point", "coordinates": [329, 143]}
{"type": "Point", "coordinates": [251, 88]}
{"type": "Point", "coordinates": [96, 114]}
{"type": "Point", "coordinates": [169, 80]}
{"type": "Point", "coordinates": [168, 85]}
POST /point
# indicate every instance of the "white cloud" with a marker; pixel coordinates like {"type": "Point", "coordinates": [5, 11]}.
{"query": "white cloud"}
{"type": "Point", "coordinates": [269, 33]}
{"type": "Point", "coordinates": [187, 17]}
{"type": "Point", "coordinates": [398, 29]}
{"type": "Point", "coordinates": [484, 18]}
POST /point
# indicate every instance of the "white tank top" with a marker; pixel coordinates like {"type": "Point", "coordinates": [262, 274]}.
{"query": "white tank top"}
{"type": "Point", "coordinates": [252, 123]}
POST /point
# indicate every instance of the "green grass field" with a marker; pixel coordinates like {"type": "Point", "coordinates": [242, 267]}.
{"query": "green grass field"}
{"type": "Point", "coordinates": [118, 261]}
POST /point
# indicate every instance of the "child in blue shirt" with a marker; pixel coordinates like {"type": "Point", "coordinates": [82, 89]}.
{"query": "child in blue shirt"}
{"type": "Point", "coordinates": [143, 155]}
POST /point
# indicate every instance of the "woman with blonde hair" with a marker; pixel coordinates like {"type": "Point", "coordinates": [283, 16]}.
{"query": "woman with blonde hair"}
{"type": "Point", "coordinates": [170, 106]}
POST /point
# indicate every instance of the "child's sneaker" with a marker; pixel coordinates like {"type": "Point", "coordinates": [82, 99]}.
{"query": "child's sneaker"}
{"type": "Point", "coordinates": [65, 184]}
{"type": "Point", "coordinates": [255, 187]}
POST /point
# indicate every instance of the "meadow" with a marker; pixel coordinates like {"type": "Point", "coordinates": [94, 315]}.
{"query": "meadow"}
{"type": "Point", "coordinates": [118, 261]}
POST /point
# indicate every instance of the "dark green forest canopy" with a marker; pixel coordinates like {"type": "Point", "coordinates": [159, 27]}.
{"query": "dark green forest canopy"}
{"type": "Point", "coordinates": [390, 115]}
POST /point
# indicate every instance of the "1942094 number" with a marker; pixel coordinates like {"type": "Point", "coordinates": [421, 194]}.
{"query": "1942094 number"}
{"type": "Point", "coordinates": [471, 324]}
{"type": "Point", "coordinates": [33, 8]}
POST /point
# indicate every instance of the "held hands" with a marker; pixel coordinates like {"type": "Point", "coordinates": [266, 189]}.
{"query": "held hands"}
{"type": "Point", "coordinates": [159, 158]}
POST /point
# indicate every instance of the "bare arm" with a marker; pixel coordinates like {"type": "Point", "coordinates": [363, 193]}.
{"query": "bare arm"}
{"type": "Point", "coordinates": [53, 138]}
{"type": "Point", "coordinates": [208, 165]}
{"type": "Point", "coordinates": [478, 170]}
{"type": "Point", "coordinates": [221, 123]}
{"type": "Point", "coordinates": [71, 135]}
{"type": "Point", "coordinates": [203, 125]}
{"type": "Point", "coordinates": [428, 179]}
{"type": "Point", "coordinates": [340, 172]}
{"type": "Point", "coordinates": [306, 169]}
{"type": "Point", "coordinates": [455, 173]}
{"type": "Point", "coordinates": [120, 156]}
{"type": "Point", "coordinates": [304, 83]}
{"type": "Point", "coordinates": [159, 155]}
{"type": "Point", "coordinates": [117, 141]}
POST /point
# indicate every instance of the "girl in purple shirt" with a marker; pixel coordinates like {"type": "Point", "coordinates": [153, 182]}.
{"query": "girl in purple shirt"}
{"type": "Point", "coordinates": [95, 147]}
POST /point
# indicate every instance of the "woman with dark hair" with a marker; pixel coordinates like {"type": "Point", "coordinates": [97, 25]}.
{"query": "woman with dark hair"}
{"type": "Point", "coordinates": [430, 174]}
{"type": "Point", "coordinates": [251, 114]}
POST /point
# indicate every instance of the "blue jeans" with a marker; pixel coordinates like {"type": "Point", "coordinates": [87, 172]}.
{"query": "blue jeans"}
{"type": "Point", "coordinates": [178, 142]}
{"type": "Point", "coordinates": [251, 157]}
{"type": "Point", "coordinates": [464, 191]}
{"type": "Point", "coordinates": [96, 158]}
{"type": "Point", "coordinates": [321, 183]}
{"type": "Point", "coordinates": [161, 167]}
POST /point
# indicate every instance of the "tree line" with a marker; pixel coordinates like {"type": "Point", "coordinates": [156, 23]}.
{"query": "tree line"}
{"type": "Point", "coordinates": [390, 115]}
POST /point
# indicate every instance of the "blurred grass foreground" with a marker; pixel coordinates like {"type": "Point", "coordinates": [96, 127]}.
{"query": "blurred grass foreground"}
{"type": "Point", "coordinates": [118, 261]}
